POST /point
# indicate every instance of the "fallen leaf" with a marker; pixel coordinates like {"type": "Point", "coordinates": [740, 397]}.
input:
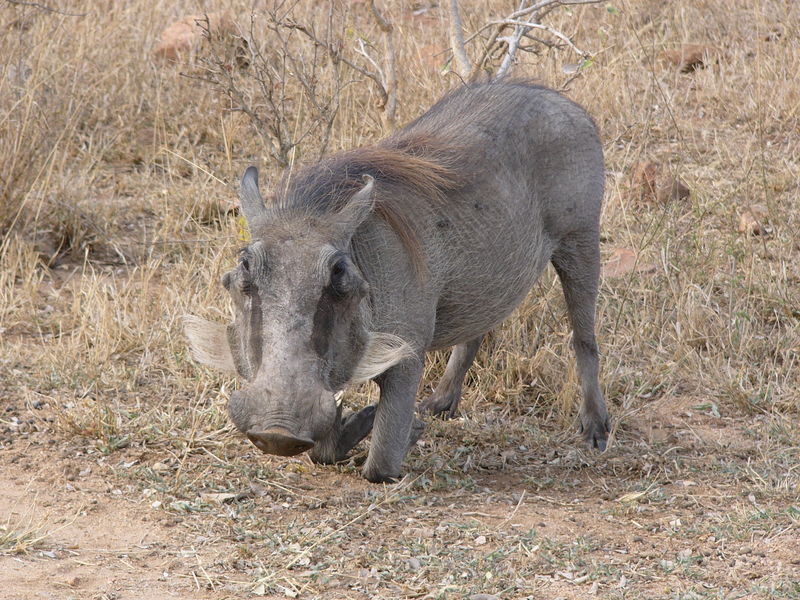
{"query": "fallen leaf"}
{"type": "Point", "coordinates": [652, 182]}
{"type": "Point", "coordinates": [753, 221]}
{"type": "Point", "coordinates": [690, 57]}
{"type": "Point", "coordinates": [622, 261]}
{"type": "Point", "coordinates": [643, 180]}
{"type": "Point", "coordinates": [672, 190]}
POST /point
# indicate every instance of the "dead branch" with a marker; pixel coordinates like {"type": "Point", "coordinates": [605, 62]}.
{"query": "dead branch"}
{"type": "Point", "coordinates": [550, 5]}
{"type": "Point", "coordinates": [336, 57]}
{"type": "Point", "coordinates": [526, 26]}
{"type": "Point", "coordinates": [463, 66]}
{"type": "Point", "coordinates": [281, 90]}
{"type": "Point", "coordinates": [46, 8]}
{"type": "Point", "coordinates": [390, 78]}
{"type": "Point", "coordinates": [523, 20]}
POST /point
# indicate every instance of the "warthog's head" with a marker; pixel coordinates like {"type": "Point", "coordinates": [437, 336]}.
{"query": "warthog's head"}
{"type": "Point", "coordinates": [302, 325]}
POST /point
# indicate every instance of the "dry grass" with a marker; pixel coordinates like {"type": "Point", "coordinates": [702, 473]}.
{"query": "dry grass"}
{"type": "Point", "coordinates": [117, 172]}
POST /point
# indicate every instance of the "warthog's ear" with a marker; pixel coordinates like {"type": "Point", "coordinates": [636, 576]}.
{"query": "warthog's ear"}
{"type": "Point", "coordinates": [358, 207]}
{"type": "Point", "coordinates": [208, 342]}
{"type": "Point", "coordinates": [250, 198]}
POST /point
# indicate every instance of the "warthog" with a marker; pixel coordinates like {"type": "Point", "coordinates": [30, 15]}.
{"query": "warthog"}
{"type": "Point", "coordinates": [426, 240]}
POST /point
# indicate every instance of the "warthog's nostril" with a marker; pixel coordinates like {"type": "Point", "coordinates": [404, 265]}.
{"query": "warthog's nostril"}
{"type": "Point", "coordinates": [279, 441]}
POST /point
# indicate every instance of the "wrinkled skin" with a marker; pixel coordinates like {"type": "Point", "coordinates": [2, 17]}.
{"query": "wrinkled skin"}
{"type": "Point", "coordinates": [298, 335]}
{"type": "Point", "coordinates": [494, 183]}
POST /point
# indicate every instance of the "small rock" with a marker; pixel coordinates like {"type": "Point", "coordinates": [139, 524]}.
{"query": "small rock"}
{"type": "Point", "coordinates": [182, 38]}
{"type": "Point", "coordinates": [623, 261]}
{"type": "Point", "coordinates": [419, 532]}
{"type": "Point", "coordinates": [480, 540]}
{"type": "Point", "coordinates": [413, 564]}
{"type": "Point", "coordinates": [484, 597]}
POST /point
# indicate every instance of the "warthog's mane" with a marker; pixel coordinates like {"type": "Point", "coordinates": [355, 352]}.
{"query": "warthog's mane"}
{"type": "Point", "coordinates": [418, 164]}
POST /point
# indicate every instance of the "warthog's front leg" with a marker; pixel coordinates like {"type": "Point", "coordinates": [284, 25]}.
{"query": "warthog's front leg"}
{"type": "Point", "coordinates": [355, 427]}
{"type": "Point", "coordinates": [394, 421]}
{"type": "Point", "coordinates": [348, 431]}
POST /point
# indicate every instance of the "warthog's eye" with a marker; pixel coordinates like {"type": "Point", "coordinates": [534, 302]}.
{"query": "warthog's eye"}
{"type": "Point", "coordinates": [339, 276]}
{"type": "Point", "coordinates": [345, 279]}
{"type": "Point", "coordinates": [244, 263]}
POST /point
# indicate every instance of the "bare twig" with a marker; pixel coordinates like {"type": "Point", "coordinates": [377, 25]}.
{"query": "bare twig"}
{"type": "Point", "coordinates": [463, 66]}
{"type": "Point", "coordinates": [513, 44]}
{"type": "Point", "coordinates": [46, 8]}
{"type": "Point", "coordinates": [523, 20]}
{"type": "Point", "coordinates": [390, 79]}
{"type": "Point", "coordinates": [535, 8]}
{"type": "Point", "coordinates": [281, 92]}
{"type": "Point", "coordinates": [336, 57]}
{"type": "Point", "coordinates": [487, 50]}
{"type": "Point", "coordinates": [525, 26]}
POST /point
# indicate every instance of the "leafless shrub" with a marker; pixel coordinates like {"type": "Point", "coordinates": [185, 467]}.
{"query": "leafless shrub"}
{"type": "Point", "coordinates": [502, 48]}
{"type": "Point", "coordinates": [287, 76]}
{"type": "Point", "coordinates": [277, 80]}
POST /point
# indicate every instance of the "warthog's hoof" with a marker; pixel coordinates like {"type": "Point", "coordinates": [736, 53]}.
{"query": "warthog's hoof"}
{"type": "Point", "coordinates": [378, 476]}
{"type": "Point", "coordinates": [417, 429]}
{"type": "Point", "coordinates": [355, 427]}
{"type": "Point", "coordinates": [444, 405]}
{"type": "Point", "coordinates": [595, 432]}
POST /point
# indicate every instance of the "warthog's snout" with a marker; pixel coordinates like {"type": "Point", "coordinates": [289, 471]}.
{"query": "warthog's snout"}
{"type": "Point", "coordinates": [279, 441]}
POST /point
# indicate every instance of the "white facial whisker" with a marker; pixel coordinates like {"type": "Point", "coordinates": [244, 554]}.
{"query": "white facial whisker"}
{"type": "Point", "coordinates": [208, 342]}
{"type": "Point", "coordinates": [384, 350]}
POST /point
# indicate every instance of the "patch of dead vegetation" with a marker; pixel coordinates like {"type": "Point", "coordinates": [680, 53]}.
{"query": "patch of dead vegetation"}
{"type": "Point", "coordinates": [119, 178]}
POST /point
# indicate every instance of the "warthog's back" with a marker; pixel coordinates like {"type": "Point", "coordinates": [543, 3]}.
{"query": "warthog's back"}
{"type": "Point", "coordinates": [530, 167]}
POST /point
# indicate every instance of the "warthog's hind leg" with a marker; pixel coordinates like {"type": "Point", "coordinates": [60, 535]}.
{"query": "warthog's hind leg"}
{"type": "Point", "coordinates": [577, 262]}
{"type": "Point", "coordinates": [444, 400]}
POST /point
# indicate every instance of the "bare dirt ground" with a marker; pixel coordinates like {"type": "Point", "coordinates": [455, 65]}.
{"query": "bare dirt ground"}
{"type": "Point", "coordinates": [686, 504]}
{"type": "Point", "coordinates": [120, 474]}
